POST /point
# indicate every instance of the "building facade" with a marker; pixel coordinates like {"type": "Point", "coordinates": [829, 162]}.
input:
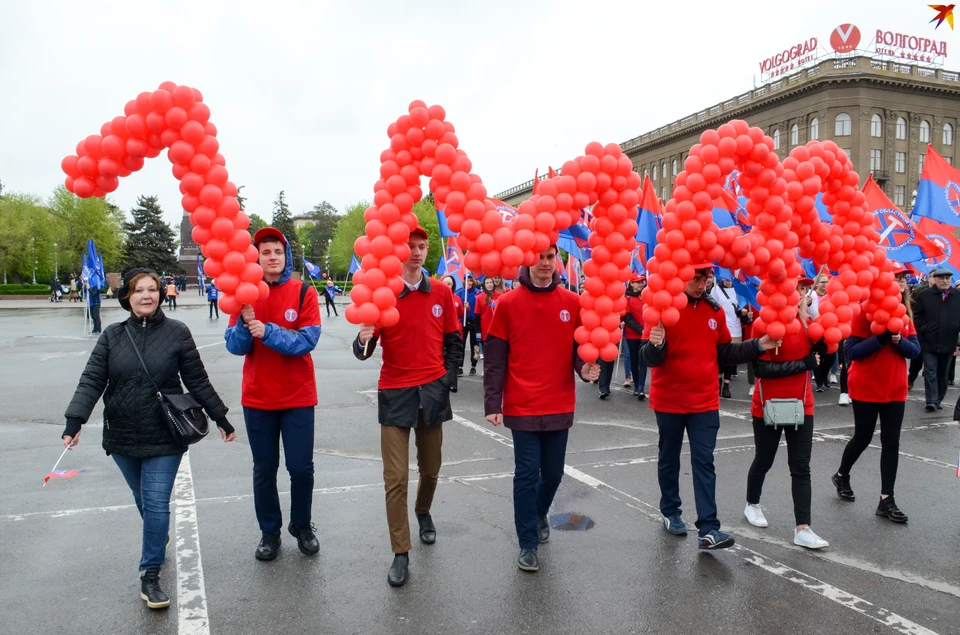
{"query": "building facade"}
{"type": "Point", "coordinates": [883, 113]}
{"type": "Point", "coordinates": [188, 249]}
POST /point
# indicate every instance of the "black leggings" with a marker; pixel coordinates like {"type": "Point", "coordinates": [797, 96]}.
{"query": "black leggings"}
{"type": "Point", "coordinates": [842, 363]}
{"type": "Point", "coordinates": [471, 336]}
{"type": "Point", "coordinates": [799, 445]}
{"type": "Point", "coordinates": [822, 371]}
{"type": "Point", "coordinates": [329, 304]}
{"type": "Point", "coordinates": [865, 415]}
{"type": "Point", "coordinates": [638, 370]}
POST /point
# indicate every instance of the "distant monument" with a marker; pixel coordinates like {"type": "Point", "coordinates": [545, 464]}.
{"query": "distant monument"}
{"type": "Point", "coordinates": [188, 249]}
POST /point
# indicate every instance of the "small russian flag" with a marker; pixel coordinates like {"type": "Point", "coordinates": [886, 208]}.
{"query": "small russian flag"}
{"type": "Point", "coordinates": [61, 474]}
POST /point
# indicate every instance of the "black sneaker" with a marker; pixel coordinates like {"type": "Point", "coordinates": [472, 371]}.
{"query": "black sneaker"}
{"type": "Point", "coordinates": [604, 394]}
{"type": "Point", "coordinates": [428, 532]}
{"type": "Point", "coordinates": [543, 529]}
{"type": "Point", "coordinates": [939, 406]}
{"type": "Point", "coordinates": [528, 560]}
{"type": "Point", "coordinates": [725, 393]}
{"type": "Point", "coordinates": [931, 407]}
{"type": "Point", "coordinates": [820, 388]}
{"type": "Point", "coordinates": [888, 509]}
{"type": "Point", "coordinates": [473, 371]}
{"type": "Point", "coordinates": [269, 546]}
{"type": "Point", "coordinates": [910, 384]}
{"type": "Point", "coordinates": [842, 483]}
{"type": "Point", "coordinates": [641, 396]}
{"type": "Point", "coordinates": [306, 539]}
{"type": "Point", "coordinates": [397, 576]}
{"type": "Point", "coordinates": [150, 590]}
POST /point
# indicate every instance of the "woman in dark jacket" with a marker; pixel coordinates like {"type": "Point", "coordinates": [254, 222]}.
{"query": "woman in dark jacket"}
{"type": "Point", "coordinates": [135, 432]}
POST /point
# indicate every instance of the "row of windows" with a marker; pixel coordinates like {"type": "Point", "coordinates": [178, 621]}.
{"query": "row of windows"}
{"type": "Point", "coordinates": [662, 171]}
{"type": "Point", "coordinates": [843, 126]}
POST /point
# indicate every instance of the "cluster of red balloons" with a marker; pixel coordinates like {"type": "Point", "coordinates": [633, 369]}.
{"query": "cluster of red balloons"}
{"type": "Point", "coordinates": [605, 178]}
{"type": "Point", "coordinates": [175, 117]}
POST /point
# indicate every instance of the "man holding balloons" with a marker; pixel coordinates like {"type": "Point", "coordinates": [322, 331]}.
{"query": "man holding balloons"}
{"type": "Point", "coordinates": [421, 356]}
{"type": "Point", "coordinates": [276, 336]}
{"type": "Point", "coordinates": [683, 393]}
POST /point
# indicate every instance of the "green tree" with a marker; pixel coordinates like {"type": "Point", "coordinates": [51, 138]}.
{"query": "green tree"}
{"type": "Point", "coordinates": [150, 241]}
{"type": "Point", "coordinates": [326, 218]}
{"type": "Point", "coordinates": [27, 236]}
{"type": "Point", "coordinates": [79, 219]}
{"type": "Point", "coordinates": [283, 220]}
{"type": "Point", "coordinates": [427, 215]}
{"type": "Point", "coordinates": [256, 222]}
{"type": "Point", "coordinates": [242, 199]}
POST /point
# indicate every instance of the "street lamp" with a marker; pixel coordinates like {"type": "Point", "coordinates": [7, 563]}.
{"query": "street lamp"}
{"type": "Point", "coordinates": [329, 243]}
{"type": "Point", "coordinates": [56, 261]}
{"type": "Point", "coordinates": [32, 246]}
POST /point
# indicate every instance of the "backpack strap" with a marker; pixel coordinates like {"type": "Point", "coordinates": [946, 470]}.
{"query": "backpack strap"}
{"type": "Point", "coordinates": [303, 294]}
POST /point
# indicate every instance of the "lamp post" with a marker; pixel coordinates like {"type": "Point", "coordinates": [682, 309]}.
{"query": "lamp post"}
{"type": "Point", "coordinates": [329, 243]}
{"type": "Point", "coordinates": [56, 261]}
{"type": "Point", "coordinates": [34, 253]}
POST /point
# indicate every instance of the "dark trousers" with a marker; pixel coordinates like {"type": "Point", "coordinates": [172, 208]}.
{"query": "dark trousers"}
{"type": "Point", "coordinates": [214, 309]}
{"type": "Point", "coordinates": [538, 467]}
{"type": "Point", "coordinates": [953, 369]}
{"type": "Point", "coordinates": [151, 481]}
{"type": "Point", "coordinates": [799, 445]}
{"type": "Point", "coordinates": [822, 371]}
{"type": "Point", "coordinates": [865, 415]}
{"type": "Point", "coordinates": [95, 316]}
{"type": "Point", "coordinates": [606, 375]}
{"type": "Point", "coordinates": [171, 302]}
{"type": "Point", "coordinates": [637, 368]}
{"type": "Point", "coordinates": [701, 429]}
{"type": "Point", "coordinates": [264, 430]}
{"type": "Point", "coordinates": [842, 363]}
{"type": "Point", "coordinates": [751, 378]}
{"type": "Point", "coordinates": [935, 369]}
{"type": "Point", "coordinates": [471, 337]}
{"type": "Point", "coordinates": [330, 304]}
{"type": "Point", "coordinates": [916, 365]}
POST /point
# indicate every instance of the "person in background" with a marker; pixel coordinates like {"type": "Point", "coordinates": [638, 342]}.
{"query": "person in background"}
{"type": "Point", "coordinates": [633, 334]}
{"type": "Point", "coordinates": [451, 283]}
{"type": "Point", "coordinates": [724, 295]}
{"type": "Point", "coordinates": [937, 314]}
{"type": "Point", "coordinates": [470, 323]}
{"type": "Point", "coordinates": [55, 294]}
{"type": "Point", "coordinates": [212, 296]}
{"type": "Point", "coordinates": [135, 431]}
{"type": "Point", "coordinates": [878, 387]}
{"type": "Point", "coordinates": [486, 306]}
{"type": "Point", "coordinates": [916, 364]}
{"type": "Point", "coordinates": [330, 290]}
{"type": "Point", "coordinates": [94, 304]}
{"type": "Point", "coordinates": [171, 295]}
{"type": "Point", "coordinates": [499, 285]}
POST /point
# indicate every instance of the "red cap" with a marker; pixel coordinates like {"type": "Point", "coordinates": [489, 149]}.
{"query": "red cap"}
{"type": "Point", "coordinates": [420, 231]}
{"type": "Point", "coordinates": [637, 278]}
{"type": "Point", "coordinates": [704, 265]}
{"type": "Point", "coordinates": [263, 232]}
{"type": "Point", "coordinates": [807, 282]}
{"type": "Point", "coordinates": [899, 268]}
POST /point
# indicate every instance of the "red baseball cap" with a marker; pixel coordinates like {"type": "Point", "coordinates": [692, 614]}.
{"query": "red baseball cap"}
{"type": "Point", "coordinates": [264, 232]}
{"type": "Point", "coordinates": [807, 282]}
{"type": "Point", "coordinates": [899, 268]}
{"type": "Point", "coordinates": [704, 265]}
{"type": "Point", "coordinates": [637, 278]}
{"type": "Point", "coordinates": [419, 231]}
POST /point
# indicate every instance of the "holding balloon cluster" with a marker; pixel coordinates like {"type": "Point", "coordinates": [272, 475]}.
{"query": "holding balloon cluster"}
{"type": "Point", "coordinates": [175, 117]}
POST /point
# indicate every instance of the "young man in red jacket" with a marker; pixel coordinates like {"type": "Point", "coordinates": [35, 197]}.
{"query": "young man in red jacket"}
{"type": "Point", "coordinates": [529, 360]}
{"type": "Point", "coordinates": [421, 356]}
{"type": "Point", "coordinates": [686, 360]}
{"type": "Point", "coordinates": [633, 334]}
{"type": "Point", "coordinates": [279, 392]}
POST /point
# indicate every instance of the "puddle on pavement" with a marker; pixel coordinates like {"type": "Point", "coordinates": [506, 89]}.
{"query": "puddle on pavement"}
{"type": "Point", "coordinates": [571, 522]}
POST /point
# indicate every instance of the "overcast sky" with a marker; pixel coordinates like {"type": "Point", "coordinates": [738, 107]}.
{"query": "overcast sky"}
{"type": "Point", "coordinates": [302, 92]}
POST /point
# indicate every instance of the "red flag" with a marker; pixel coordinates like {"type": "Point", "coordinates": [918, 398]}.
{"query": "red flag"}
{"type": "Point", "coordinates": [536, 180]}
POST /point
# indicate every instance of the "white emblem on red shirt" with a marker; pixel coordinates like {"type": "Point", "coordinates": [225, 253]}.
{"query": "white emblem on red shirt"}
{"type": "Point", "coordinates": [564, 316]}
{"type": "Point", "coordinates": [437, 310]}
{"type": "Point", "coordinates": [290, 315]}
{"type": "Point", "coordinates": [712, 323]}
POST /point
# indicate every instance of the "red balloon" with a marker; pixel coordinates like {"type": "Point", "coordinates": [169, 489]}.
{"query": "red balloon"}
{"type": "Point", "coordinates": [247, 293]}
{"type": "Point", "coordinates": [234, 262]}
{"type": "Point", "coordinates": [228, 304]}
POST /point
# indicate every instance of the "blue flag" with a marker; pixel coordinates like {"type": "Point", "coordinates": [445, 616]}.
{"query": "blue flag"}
{"type": "Point", "coordinates": [354, 265]}
{"type": "Point", "coordinates": [444, 228]}
{"type": "Point", "coordinates": [442, 266]}
{"type": "Point", "coordinates": [312, 269]}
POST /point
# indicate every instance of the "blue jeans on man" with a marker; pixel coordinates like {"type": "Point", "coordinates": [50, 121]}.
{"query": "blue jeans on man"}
{"type": "Point", "coordinates": [151, 481]}
{"type": "Point", "coordinates": [538, 458]}
{"type": "Point", "coordinates": [701, 429]}
{"type": "Point", "coordinates": [265, 428]}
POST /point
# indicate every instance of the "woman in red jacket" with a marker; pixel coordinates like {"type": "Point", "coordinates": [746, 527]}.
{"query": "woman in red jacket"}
{"type": "Point", "coordinates": [451, 282]}
{"type": "Point", "coordinates": [633, 333]}
{"type": "Point", "coordinates": [878, 388]}
{"type": "Point", "coordinates": [486, 304]}
{"type": "Point", "coordinates": [785, 374]}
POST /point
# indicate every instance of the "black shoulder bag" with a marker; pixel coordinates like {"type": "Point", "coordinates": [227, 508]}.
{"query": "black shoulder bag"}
{"type": "Point", "coordinates": [184, 416]}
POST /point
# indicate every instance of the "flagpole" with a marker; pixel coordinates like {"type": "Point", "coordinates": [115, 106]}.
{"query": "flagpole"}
{"type": "Point", "coordinates": [54, 468]}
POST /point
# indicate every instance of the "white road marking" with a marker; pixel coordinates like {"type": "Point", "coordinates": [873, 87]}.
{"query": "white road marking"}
{"type": "Point", "coordinates": [912, 457]}
{"type": "Point", "coordinates": [47, 358]}
{"type": "Point", "coordinates": [212, 344]}
{"type": "Point", "coordinates": [735, 415]}
{"type": "Point", "coordinates": [192, 618]}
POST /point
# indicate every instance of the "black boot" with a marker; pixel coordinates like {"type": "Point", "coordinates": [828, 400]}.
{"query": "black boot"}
{"type": "Point", "coordinates": [150, 590]}
{"type": "Point", "coordinates": [888, 509]}
{"type": "Point", "coordinates": [543, 529]}
{"type": "Point", "coordinates": [306, 539]}
{"type": "Point", "coordinates": [528, 560]}
{"type": "Point", "coordinates": [428, 533]}
{"type": "Point", "coordinates": [398, 570]}
{"type": "Point", "coordinates": [725, 393]}
{"type": "Point", "coordinates": [842, 483]}
{"type": "Point", "coordinates": [269, 545]}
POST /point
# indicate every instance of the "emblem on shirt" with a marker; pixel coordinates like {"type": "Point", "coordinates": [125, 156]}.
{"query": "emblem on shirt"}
{"type": "Point", "coordinates": [564, 316]}
{"type": "Point", "coordinates": [712, 324]}
{"type": "Point", "coordinates": [290, 315]}
{"type": "Point", "coordinates": [437, 310]}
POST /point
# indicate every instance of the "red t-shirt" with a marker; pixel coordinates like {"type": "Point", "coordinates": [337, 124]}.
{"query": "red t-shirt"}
{"type": "Point", "coordinates": [881, 377]}
{"type": "Point", "coordinates": [687, 380]}
{"type": "Point", "coordinates": [635, 309]}
{"type": "Point", "coordinates": [538, 327]}
{"type": "Point", "coordinates": [458, 309]}
{"type": "Point", "coordinates": [272, 380]}
{"type": "Point", "coordinates": [413, 347]}
{"type": "Point", "coordinates": [794, 347]}
{"type": "Point", "coordinates": [486, 309]}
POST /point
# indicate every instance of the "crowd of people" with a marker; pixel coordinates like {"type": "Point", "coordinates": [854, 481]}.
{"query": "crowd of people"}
{"type": "Point", "coordinates": [525, 338]}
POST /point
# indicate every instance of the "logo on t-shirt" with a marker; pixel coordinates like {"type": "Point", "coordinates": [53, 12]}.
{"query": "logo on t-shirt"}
{"type": "Point", "coordinates": [437, 310]}
{"type": "Point", "coordinates": [290, 315]}
{"type": "Point", "coordinates": [564, 316]}
{"type": "Point", "coordinates": [712, 324]}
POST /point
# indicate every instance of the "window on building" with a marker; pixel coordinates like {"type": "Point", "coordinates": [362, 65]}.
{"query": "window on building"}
{"type": "Point", "coordinates": [645, 173]}
{"type": "Point", "coordinates": [924, 132]}
{"type": "Point", "coordinates": [674, 167]}
{"type": "Point", "coordinates": [663, 170]}
{"type": "Point", "coordinates": [663, 193]}
{"type": "Point", "coordinates": [947, 134]}
{"type": "Point", "coordinates": [901, 128]}
{"type": "Point", "coordinates": [876, 126]}
{"type": "Point", "coordinates": [655, 171]}
{"type": "Point", "coordinates": [923, 158]}
{"type": "Point", "coordinates": [814, 129]}
{"type": "Point", "coordinates": [843, 125]}
{"type": "Point", "coordinates": [794, 135]}
{"type": "Point", "coordinates": [876, 160]}
{"type": "Point", "coordinates": [776, 139]}
{"type": "Point", "coordinates": [948, 160]}
{"type": "Point", "coordinates": [900, 162]}
{"type": "Point", "coordinates": [899, 193]}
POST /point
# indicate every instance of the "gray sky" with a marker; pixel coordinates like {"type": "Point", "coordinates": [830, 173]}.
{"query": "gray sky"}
{"type": "Point", "coordinates": [302, 92]}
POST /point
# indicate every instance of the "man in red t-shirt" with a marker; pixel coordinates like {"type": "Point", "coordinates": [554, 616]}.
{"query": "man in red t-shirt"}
{"type": "Point", "coordinates": [686, 360]}
{"type": "Point", "coordinates": [530, 357]}
{"type": "Point", "coordinates": [279, 392]}
{"type": "Point", "coordinates": [421, 356]}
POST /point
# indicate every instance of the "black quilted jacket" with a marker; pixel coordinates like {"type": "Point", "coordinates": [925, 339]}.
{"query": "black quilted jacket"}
{"type": "Point", "coordinates": [133, 423]}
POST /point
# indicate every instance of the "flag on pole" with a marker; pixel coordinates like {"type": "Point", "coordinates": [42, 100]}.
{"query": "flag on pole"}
{"type": "Point", "coordinates": [200, 272]}
{"type": "Point", "coordinates": [942, 236]}
{"type": "Point", "coordinates": [573, 277]}
{"type": "Point", "coordinates": [354, 265]}
{"type": "Point", "coordinates": [454, 261]}
{"type": "Point", "coordinates": [903, 240]}
{"type": "Point", "coordinates": [938, 195]}
{"type": "Point", "coordinates": [650, 219]}
{"type": "Point", "coordinates": [312, 269]}
{"type": "Point", "coordinates": [61, 474]}
{"type": "Point", "coordinates": [441, 266]}
{"type": "Point", "coordinates": [562, 268]}
{"type": "Point", "coordinates": [445, 231]}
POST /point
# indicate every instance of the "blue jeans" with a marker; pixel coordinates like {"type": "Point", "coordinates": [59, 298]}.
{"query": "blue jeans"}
{"type": "Point", "coordinates": [151, 481]}
{"type": "Point", "coordinates": [701, 430]}
{"type": "Point", "coordinates": [538, 459]}
{"type": "Point", "coordinates": [264, 430]}
{"type": "Point", "coordinates": [627, 368]}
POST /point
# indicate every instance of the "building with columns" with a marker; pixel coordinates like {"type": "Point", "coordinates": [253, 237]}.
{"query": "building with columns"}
{"type": "Point", "coordinates": [882, 112]}
{"type": "Point", "coordinates": [188, 249]}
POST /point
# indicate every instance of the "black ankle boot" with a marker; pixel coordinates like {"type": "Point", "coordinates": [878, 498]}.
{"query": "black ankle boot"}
{"type": "Point", "coordinates": [543, 529]}
{"type": "Point", "coordinates": [428, 532]}
{"type": "Point", "coordinates": [306, 538]}
{"type": "Point", "coordinates": [889, 510]}
{"type": "Point", "coordinates": [150, 590]}
{"type": "Point", "coordinates": [397, 575]}
{"type": "Point", "coordinates": [269, 546]}
{"type": "Point", "coordinates": [842, 483]}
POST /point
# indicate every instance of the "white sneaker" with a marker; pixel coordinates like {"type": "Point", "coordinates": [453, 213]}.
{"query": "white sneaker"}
{"type": "Point", "coordinates": [831, 379]}
{"type": "Point", "coordinates": [755, 515]}
{"type": "Point", "coordinates": [806, 538]}
{"type": "Point", "coordinates": [750, 391]}
{"type": "Point", "coordinates": [844, 399]}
